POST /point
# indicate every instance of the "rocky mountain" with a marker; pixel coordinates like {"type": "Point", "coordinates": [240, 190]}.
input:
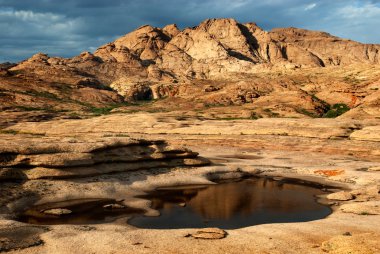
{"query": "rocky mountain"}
{"type": "Point", "coordinates": [219, 62]}
{"type": "Point", "coordinates": [212, 49]}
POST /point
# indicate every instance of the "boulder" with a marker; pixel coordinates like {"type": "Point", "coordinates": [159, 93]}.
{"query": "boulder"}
{"type": "Point", "coordinates": [209, 234]}
{"type": "Point", "coordinates": [57, 211]}
{"type": "Point", "coordinates": [114, 207]}
{"type": "Point", "coordinates": [341, 195]}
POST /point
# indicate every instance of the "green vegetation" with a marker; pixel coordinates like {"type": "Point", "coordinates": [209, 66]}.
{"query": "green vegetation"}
{"type": "Point", "coordinates": [33, 133]}
{"type": "Point", "coordinates": [271, 113]}
{"type": "Point", "coordinates": [255, 116]}
{"type": "Point", "coordinates": [12, 132]}
{"type": "Point", "coordinates": [122, 135]}
{"type": "Point", "coordinates": [352, 79]}
{"type": "Point", "coordinates": [104, 110]}
{"type": "Point", "coordinates": [43, 95]}
{"type": "Point", "coordinates": [214, 105]}
{"type": "Point", "coordinates": [306, 112]}
{"type": "Point", "coordinates": [49, 110]}
{"type": "Point", "coordinates": [101, 111]}
{"type": "Point", "coordinates": [331, 111]}
{"type": "Point", "coordinates": [15, 132]}
{"type": "Point", "coordinates": [155, 110]}
{"type": "Point", "coordinates": [325, 104]}
{"type": "Point", "coordinates": [336, 110]}
{"type": "Point", "coordinates": [74, 115]}
{"type": "Point", "coordinates": [26, 108]}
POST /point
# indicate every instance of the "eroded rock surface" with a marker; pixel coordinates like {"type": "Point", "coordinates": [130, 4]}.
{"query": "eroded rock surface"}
{"type": "Point", "coordinates": [369, 208]}
{"type": "Point", "coordinates": [20, 237]}
{"type": "Point", "coordinates": [57, 211]}
{"type": "Point", "coordinates": [209, 234]}
{"type": "Point", "coordinates": [34, 158]}
{"type": "Point", "coordinates": [316, 153]}
{"type": "Point", "coordinates": [342, 196]}
{"type": "Point", "coordinates": [352, 244]}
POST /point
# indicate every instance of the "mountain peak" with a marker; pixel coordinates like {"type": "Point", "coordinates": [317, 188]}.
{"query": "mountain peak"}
{"type": "Point", "coordinates": [221, 23]}
{"type": "Point", "coordinates": [219, 46]}
{"type": "Point", "coordinates": [171, 30]}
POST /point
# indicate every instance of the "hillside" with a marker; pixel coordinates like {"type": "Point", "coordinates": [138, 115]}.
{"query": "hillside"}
{"type": "Point", "coordinates": [284, 72]}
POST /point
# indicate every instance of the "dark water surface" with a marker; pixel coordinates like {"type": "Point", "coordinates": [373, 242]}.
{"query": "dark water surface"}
{"type": "Point", "coordinates": [84, 211]}
{"type": "Point", "coordinates": [227, 205]}
{"type": "Point", "coordinates": [233, 205]}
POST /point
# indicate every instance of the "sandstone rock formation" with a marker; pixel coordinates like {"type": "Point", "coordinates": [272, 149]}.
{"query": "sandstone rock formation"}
{"type": "Point", "coordinates": [342, 196]}
{"type": "Point", "coordinates": [209, 234]}
{"type": "Point", "coordinates": [215, 47]}
{"type": "Point", "coordinates": [19, 237]}
{"type": "Point", "coordinates": [54, 158]}
{"type": "Point", "coordinates": [243, 64]}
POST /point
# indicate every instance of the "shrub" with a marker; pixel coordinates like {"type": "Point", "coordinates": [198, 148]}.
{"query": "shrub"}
{"type": "Point", "coordinates": [101, 111]}
{"type": "Point", "coordinates": [12, 132]}
{"type": "Point", "coordinates": [306, 112]}
{"type": "Point", "coordinates": [105, 110]}
{"type": "Point", "coordinates": [336, 110]}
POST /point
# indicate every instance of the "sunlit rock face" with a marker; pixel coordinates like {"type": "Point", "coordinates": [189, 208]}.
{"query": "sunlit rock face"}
{"type": "Point", "coordinates": [211, 49]}
{"type": "Point", "coordinates": [218, 62]}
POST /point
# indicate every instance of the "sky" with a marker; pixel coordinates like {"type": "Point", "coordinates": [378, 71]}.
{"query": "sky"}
{"type": "Point", "coordinates": [67, 27]}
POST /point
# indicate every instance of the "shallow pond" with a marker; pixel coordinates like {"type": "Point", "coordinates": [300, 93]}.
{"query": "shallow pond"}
{"type": "Point", "coordinates": [226, 205]}
{"type": "Point", "coordinates": [233, 205]}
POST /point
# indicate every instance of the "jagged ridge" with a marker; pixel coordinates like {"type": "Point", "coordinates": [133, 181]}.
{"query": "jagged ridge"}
{"type": "Point", "coordinates": [154, 63]}
{"type": "Point", "coordinates": [214, 47]}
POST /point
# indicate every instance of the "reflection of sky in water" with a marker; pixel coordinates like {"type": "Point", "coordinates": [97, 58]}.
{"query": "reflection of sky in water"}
{"type": "Point", "coordinates": [226, 205]}
{"type": "Point", "coordinates": [234, 205]}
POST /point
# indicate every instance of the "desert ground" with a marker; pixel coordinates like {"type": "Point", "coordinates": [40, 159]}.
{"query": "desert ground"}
{"type": "Point", "coordinates": [342, 155]}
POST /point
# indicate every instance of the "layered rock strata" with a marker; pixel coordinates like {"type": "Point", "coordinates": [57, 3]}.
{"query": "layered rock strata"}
{"type": "Point", "coordinates": [51, 158]}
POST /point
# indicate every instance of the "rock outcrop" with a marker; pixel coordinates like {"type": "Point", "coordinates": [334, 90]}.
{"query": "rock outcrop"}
{"type": "Point", "coordinates": [214, 48]}
{"type": "Point", "coordinates": [164, 123]}
{"type": "Point", "coordinates": [209, 234]}
{"type": "Point", "coordinates": [52, 158]}
{"type": "Point", "coordinates": [243, 63]}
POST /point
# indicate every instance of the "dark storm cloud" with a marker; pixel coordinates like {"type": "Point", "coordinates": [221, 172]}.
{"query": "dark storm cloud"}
{"type": "Point", "coordinates": [68, 27]}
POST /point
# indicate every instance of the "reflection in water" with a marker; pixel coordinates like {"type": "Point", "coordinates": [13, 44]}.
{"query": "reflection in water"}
{"type": "Point", "coordinates": [233, 205]}
{"type": "Point", "coordinates": [83, 211]}
{"type": "Point", "coordinates": [225, 205]}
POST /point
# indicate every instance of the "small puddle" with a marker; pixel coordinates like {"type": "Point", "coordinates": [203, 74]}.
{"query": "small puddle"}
{"type": "Point", "coordinates": [233, 205]}
{"type": "Point", "coordinates": [227, 205]}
